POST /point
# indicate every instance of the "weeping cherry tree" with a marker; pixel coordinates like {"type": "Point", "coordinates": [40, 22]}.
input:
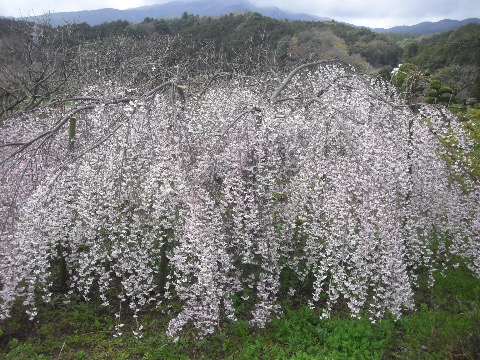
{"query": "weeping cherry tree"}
{"type": "Point", "coordinates": [200, 197]}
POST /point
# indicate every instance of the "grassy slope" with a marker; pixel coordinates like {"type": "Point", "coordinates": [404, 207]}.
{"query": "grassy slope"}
{"type": "Point", "coordinates": [446, 326]}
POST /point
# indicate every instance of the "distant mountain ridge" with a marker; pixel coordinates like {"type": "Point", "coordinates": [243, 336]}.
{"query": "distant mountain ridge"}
{"type": "Point", "coordinates": [429, 27]}
{"type": "Point", "coordinates": [175, 9]}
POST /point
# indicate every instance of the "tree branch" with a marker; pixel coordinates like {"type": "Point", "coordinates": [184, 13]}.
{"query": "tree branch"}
{"type": "Point", "coordinates": [290, 76]}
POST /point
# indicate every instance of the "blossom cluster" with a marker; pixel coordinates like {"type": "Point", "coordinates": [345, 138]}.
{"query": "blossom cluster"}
{"type": "Point", "coordinates": [204, 202]}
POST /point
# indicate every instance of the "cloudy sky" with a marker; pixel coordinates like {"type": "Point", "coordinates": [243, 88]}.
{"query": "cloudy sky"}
{"type": "Point", "coordinates": [371, 13]}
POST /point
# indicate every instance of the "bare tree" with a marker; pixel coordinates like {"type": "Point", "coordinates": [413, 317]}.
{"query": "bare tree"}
{"type": "Point", "coordinates": [460, 77]}
{"type": "Point", "coordinates": [35, 65]}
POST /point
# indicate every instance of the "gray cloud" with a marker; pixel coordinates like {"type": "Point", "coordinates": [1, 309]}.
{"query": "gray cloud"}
{"type": "Point", "coordinates": [383, 12]}
{"type": "Point", "coordinates": [26, 8]}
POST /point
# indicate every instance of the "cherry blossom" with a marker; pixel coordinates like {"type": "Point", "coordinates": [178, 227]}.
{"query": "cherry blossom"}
{"type": "Point", "coordinates": [327, 173]}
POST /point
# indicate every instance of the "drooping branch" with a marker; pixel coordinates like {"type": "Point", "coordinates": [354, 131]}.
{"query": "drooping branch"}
{"type": "Point", "coordinates": [97, 102]}
{"type": "Point", "coordinates": [46, 134]}
{"type": "Point", "coordinates": [157, 89]}
{"type": "Point", "coordinates": [242, 114]}
{"type": "Point", "coordinates": [290, 76]}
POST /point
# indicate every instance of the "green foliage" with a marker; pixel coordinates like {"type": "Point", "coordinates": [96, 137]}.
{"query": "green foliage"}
{"type": "Point", "coordinates": [385, 73]}
{"type": "Point", "coordinates": [22, 351]}
{"type": "Point", "coordinates": [447, 325]}
{"type": "Point", "coordinates": [476, 88]}
{"type": "Point", "coordinates": [377, 52]}
{"type": "Point", "coordinates": [457, 289]}
{"type": "Point", "coordinates": [409, 80]}
{"type": "Point", "coordinates": [436, 84]}
{"type": "Point", "coordinates": [439, 93]}
{"type": "Point", "coordinates": [437, 335]}
{"type": "Point", "coordinates": [410, 50]}
{"type": "Point", "coordinates": [353, 34]}
{"type": "Point", "coordinates": [231, 33]}
{"type": "Point", "coordinates": [466, 156]}
{"type": "Point", "coordinates": [460, 46]}
{"type": "Point", "coordinates": [357, 339]}
{"type": "Point", "coordinates": [282, 47]}
{"type": "Point", "coordinates": [472, 125]}
{"type": "Point", "coordinates": [453, 55]}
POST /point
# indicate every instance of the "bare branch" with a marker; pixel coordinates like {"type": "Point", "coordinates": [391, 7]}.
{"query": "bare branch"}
{"type": "Point", "coordinates": [158, 88]}
{"type": "Point", "coordinates": [290, 76]}
{"type": "Point", "coordinates": [46, 134]}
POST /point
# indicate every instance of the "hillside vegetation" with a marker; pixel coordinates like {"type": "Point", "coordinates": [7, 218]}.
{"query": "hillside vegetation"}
{"type": "Point", "coordinates": [452, 56]}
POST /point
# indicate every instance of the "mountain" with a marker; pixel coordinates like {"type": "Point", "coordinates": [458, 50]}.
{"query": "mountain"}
{"type": "Point", "coordinates": [175, 9]}
{"type": "Point", "coordinates": [429, 27]}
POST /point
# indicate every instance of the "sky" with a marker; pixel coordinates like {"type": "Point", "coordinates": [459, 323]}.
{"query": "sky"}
{"type": "Point", "coordinates": [370, 13]}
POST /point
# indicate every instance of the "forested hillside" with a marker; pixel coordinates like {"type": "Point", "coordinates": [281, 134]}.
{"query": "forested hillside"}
{"type": "Point", "coordinates": [292, 40]}
{"type": "Point", "coordinates": [450, 56]}
{"type": "Point", "coordinates": [238, 187]}
{"type": "Point", "coordinates": [429, 27]}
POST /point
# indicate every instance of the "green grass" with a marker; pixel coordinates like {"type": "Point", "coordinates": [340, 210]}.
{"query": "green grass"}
{"type": "Point", "coordinates": [445, 326]}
